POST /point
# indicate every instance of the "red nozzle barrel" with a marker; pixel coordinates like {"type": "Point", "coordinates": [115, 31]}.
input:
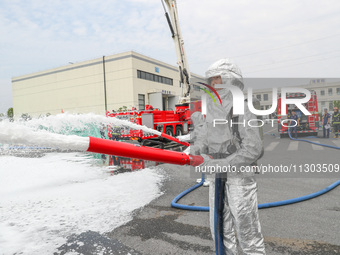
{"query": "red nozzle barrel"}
{"type": "Point", "coordinates": [103, 146]}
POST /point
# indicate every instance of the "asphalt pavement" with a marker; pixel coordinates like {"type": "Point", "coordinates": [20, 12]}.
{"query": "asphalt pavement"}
{"type": "Point", "coordinates": [311, 227]}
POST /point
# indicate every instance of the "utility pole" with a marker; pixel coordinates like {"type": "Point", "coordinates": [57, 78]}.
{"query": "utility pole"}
{"type": "Point", "coordinates": [104, 76]}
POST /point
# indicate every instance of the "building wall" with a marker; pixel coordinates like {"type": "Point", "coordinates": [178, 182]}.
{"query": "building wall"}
{"type": "Point", "coordinates": [119, 81]}
{"type": "Point", "coordinates": [146, 87]}
{"type": "Point", "coordinates": [324, 100]}
{"type": "Point", "coordinates": [75, 88]}
{"type": "Point", "coordinates": [79, 88]}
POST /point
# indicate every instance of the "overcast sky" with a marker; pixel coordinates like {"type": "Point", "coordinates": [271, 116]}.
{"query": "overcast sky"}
{"type": "Point", "coordinates": [291, 38]}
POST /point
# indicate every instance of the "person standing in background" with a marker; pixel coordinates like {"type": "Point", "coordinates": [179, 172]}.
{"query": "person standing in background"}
{"type": "Point", "coordinates": [294, 123]}
{"type": "Point", "coordinates": [336, 122]}
{"type": "Point", "coordinates": [326, 118]}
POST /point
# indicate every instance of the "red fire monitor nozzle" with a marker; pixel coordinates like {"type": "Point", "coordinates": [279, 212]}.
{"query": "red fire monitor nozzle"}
{"type": "Point", "coordinates": [98, 145]}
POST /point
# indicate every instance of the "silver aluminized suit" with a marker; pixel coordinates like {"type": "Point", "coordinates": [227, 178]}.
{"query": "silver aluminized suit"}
{"type": "Point", "coordinates": [241, 226]}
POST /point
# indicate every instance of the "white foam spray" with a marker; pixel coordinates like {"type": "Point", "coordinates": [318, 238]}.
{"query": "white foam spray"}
{"type": "Point", "coordinates": [77, 121]}
{"type": "Point", "coordinates": [44, 131]}
{"type": "Point", "coordinates": [12, 133]}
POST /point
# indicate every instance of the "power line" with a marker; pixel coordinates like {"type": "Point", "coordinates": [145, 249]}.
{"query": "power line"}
{"type": "Point", "coordinates": [284, 61]}
{"type": "Point", "coordinates": [256, 71]}
{"type": "Point", "coordinates": [278, 48]}
{"type": "Point", "coordinates": [287, 46]}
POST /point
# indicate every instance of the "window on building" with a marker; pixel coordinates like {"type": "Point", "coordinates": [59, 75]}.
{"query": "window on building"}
{"type": "Point", "coordinates": [323, 103]}
{"type": "Point", "coordinates": [338, 91]}
{"type": "Point", "coordinates": [141, 102]}
{"type": "Point", "coordinates": [330, 91]}
{"type": "Point", "coordinates": [258, 97]}
{"type": "Point", "coordinates": [265, 97]}
{"type": "Point", "coordinates": [154, 77]}
{"type": "Point", "coordinates": [322, 92]}
{"type": "Point", "coordinates": [148, 77]}
{"type": "Point", "coordinates": [168, 81]}
{"type": "Point", "coordinates": [330, 106]}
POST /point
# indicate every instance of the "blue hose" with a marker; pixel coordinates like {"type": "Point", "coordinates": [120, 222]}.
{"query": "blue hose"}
{"type": "Point", "coordinates": [218, 241]}
{"type": "Point", "coordinates": [304, 140]}
{"type": "Point", "coordinates": [218, 214]}
{"type": "Point", "coordinates": [189, 207]}
{"type": "Point", "coordinates": [299, 199]}
{"type": "Point", "coordinates": [260, 206]}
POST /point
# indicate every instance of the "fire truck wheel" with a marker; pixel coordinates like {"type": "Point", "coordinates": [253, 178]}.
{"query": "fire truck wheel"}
{"type": "Point", "coordinates": [169, 131]}
{"type": "Point", "coordinates": [179, 131]}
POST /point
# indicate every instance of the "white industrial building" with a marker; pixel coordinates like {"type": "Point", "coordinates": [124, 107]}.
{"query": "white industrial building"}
{"type": "Point", "coordinates": [127, 79]}
{"type": "Point", "coordinates": [108, 83]}
{"type": "Point", "coordinates": [327, 92]}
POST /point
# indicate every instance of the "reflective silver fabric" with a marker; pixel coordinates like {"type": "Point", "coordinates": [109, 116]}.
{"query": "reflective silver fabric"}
{"type": "Point", "coordinates": [240, 217]}
{"type": "Point", "coordinates": [229, 72]}
{"type": "Point", "coordinates": [242, 230]}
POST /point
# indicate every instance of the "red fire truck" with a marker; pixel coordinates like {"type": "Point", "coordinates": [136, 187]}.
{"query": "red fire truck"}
{"type": "Point", "coordinates": [309, 125]}
{"type": "Point", "coordinates": [172, 123]}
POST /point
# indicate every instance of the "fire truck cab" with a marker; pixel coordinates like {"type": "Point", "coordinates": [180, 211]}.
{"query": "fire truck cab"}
{"type": "Point", "coordinates": [309, 124]}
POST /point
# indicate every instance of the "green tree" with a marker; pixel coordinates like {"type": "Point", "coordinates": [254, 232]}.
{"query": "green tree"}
{"type": "Point", "coordinates": [10, 113]}
{"type": "Point", "coordinates": [122, 109]}
{"type": "Point", "coordinates": [336, 103]}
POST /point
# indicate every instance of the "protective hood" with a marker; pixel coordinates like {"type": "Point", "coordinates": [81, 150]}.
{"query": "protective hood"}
{"type": "Point", "coordinates": [228, 70]}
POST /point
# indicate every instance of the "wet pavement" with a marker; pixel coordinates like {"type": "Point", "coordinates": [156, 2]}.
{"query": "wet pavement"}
{"type": "Point", "coordinates": [307, 228]}
{"type": "Point", "coordinates": [311, 227]}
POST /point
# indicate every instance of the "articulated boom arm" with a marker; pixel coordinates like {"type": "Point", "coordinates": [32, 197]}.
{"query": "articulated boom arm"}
{"type": "Point", "coordinates": [179, 44]}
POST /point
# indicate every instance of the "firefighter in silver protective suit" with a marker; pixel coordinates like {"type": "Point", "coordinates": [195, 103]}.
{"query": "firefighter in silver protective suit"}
{"type": "Point", "coordinates": [241, 226]}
